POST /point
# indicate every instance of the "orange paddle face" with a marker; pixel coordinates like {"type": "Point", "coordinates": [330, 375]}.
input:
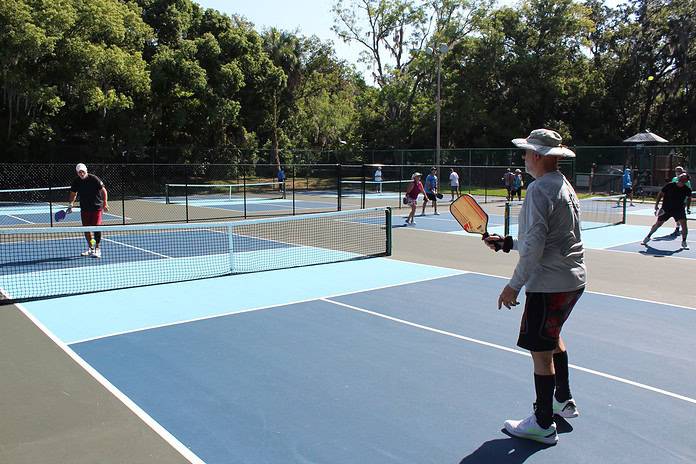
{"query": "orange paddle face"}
{"type": "Point", "coordinates": [470, 215]}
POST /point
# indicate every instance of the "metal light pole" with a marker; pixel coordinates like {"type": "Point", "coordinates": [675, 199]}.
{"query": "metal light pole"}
{"type": "Point", "coordinates": [441, 49]}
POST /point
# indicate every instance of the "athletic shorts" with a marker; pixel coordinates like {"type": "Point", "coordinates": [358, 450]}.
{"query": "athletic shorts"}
{"type": "Point", "coordinates": [454, 188]}
{"type": "Point", "coordinates": [431, 197]}
{"type": "Point", "coordinates": [677, 215]}
{"type": "Point", "coordinates": [543, 318]}
{"type": "Point", "coordinates": [91, 218]}
{"type": "Point", "coordinates": [410, 201]}
{"type": "Point", "coordinates": [628, 190]}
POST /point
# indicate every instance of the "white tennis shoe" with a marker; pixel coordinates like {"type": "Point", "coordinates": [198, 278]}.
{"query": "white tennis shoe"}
{"type": "Point", "coordinates": [97, 253]}
{"type": "Point", "coordinates": [89, 252]}
{"type": "Point", "coordinates": [529, 428]}
{"type": "Point", "coordinates": [567, 409]}
{"type": "Point", "coordinates": [685, 246]}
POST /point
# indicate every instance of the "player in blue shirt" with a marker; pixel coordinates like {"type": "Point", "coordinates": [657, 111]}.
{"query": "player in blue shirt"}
{"type": "Point", "coordinates": [431, 186]}
{"type": "Point", "coordinates": [627, 186]}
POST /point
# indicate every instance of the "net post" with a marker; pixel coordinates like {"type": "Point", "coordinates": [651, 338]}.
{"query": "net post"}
{"type": "Point", "coordinates": [623, 212]}
{"type": "Point", "coordinates": [507, 218]}
{"type": "Point", "coordinates": [293, 189]}
{"type": "Point", "coordinates": [388, 222]}
{"type": "Point", "coordinates": [339, 180]}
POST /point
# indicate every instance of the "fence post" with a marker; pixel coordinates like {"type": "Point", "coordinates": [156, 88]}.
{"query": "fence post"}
{"type": "Point", "coordinates": [123, 194]}
{"type": "Point", "coordinates": [362, 185]}
{"type": "Point", "coordinates": [186, 182]}
{"type": "Point", "coordinates": [339, 188]}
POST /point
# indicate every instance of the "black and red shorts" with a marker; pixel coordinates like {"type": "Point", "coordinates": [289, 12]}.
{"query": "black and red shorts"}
{"type": "Point", "coordinates": [91, 218]}
{"type": "Point", "coordinates": [543, 318]}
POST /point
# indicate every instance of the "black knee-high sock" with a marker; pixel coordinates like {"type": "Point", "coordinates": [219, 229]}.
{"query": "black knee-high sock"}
{"type": "Point", "coordinates": [544, 385]}
{"type": "Point", "coordinates": [560, 364]}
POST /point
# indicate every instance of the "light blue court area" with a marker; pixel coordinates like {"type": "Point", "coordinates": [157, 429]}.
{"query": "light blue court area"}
{"type": "Point", "coordinates": [136, 308]}
{"type": "Point", "coordinates": [381, 361]}
{"type": "Point", "coordinates": [41, 214]}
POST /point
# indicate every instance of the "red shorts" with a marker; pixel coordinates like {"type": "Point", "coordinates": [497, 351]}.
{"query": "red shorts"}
{"type": "Point", "coordinates": [91, 218]}
{"type": "Point", "coordinates": [543, 319]}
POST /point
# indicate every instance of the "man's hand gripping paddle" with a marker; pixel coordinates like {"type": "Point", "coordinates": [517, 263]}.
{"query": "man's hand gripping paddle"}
{"type": "Point", "coordinates": [472, 217]}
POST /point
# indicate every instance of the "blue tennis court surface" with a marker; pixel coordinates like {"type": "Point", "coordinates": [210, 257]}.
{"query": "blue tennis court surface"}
{"type": "Point", "coordinates": [381, 361]}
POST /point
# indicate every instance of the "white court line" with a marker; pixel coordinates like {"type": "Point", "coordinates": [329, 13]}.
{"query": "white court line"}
{"type": "Point", "coordinates": [137, 248]}
{"type": "Point", "coordinates": [135, 409]}
{"type": "Point", "coordinates": [19, 219]}
{"type": "Point", "coordinates": [512, 350]}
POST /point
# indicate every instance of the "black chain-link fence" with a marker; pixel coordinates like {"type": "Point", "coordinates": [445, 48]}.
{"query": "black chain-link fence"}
{"type": "Point", "coordinates": [157, 192]}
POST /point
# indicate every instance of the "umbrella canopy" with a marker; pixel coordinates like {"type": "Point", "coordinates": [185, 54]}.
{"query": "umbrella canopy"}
{"type": "Point", "coordinates": [645, 137]}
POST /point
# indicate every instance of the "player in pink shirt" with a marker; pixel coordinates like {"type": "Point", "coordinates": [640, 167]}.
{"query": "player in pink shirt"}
{"type": "Point", "coordinates": [414, 189]}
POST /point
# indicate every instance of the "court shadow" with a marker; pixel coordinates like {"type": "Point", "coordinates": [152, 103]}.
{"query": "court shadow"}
{"type": "Point", "coordinates": [33, 262]}
{"type": "Point", "coordinates": [504, 451]}
{"type": "Point", "coordinates": [659, 253]}
{"type": "Point", "coordinates": [512, 450]}
{"type": "Point", "coordinates": [666, 238]}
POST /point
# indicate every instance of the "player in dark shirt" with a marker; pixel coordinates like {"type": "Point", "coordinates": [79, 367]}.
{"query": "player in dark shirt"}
{"type": "Point", "coordinates": [93, 200]}
{"type": "Point", "coordinates": [674, 197]}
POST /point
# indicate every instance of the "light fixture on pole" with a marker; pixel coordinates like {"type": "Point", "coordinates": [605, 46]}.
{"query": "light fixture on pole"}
{"type": "Point", "coordinates": [441, 50]}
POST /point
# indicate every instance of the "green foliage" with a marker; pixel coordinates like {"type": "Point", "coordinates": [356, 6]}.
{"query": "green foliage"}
{"type": "Point", "coordinates": [130, 74]}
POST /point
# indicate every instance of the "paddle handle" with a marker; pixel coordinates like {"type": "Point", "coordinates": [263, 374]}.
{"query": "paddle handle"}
{"type": "Point", "coordinates": [496, 245]}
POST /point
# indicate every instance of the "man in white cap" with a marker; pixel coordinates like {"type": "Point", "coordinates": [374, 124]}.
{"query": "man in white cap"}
{"type": "Point", "coordinates": [551, 268]}
{"type": "Point", "coordinates": [93, 199]}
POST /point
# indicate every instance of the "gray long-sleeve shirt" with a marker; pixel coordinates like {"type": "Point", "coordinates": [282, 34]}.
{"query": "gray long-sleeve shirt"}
{"type": "Point", "coordinates": [549, 243]}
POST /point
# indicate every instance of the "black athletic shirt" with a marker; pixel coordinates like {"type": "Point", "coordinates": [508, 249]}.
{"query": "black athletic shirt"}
{"type": "Point", "coordinates": [674, 196]}
{"type": "Point", "coordinates": [89, 190]}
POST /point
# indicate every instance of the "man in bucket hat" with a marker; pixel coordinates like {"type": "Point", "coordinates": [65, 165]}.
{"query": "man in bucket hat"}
{"type": "Point", "coordinates": [551, 268]}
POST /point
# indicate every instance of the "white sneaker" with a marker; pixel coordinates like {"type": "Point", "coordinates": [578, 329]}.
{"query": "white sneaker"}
{"type": "Point", "coordinates": [685, 246]}
{"type": "Point", "coordinates": [87, 253]}
{"type": "Point", "coordinates": [412, 223]}
{"type": "Point", "coordinates": [529, 429]}
{"type": "Point", "coordinates": [436, 213]}
{"type": "Point", "coordinates": [645, 241]}
{"type": "Point", "coordinates": [567, 408]}
{"type": "Point", "coordinates": [97, 253]}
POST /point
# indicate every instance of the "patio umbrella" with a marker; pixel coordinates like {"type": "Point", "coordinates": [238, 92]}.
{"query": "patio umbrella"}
{"type": "Point", "coordinates": [645, 137]}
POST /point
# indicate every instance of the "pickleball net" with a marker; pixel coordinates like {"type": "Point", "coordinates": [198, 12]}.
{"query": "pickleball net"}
{"type": "Point", "coordinates": [202, 193]}
{"type": "Point", "coordinates": [595, 212]}
{"type": "Point", "coordinates": [46, 262]}
{"type": "Point", "coordinates": [33, 196]}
